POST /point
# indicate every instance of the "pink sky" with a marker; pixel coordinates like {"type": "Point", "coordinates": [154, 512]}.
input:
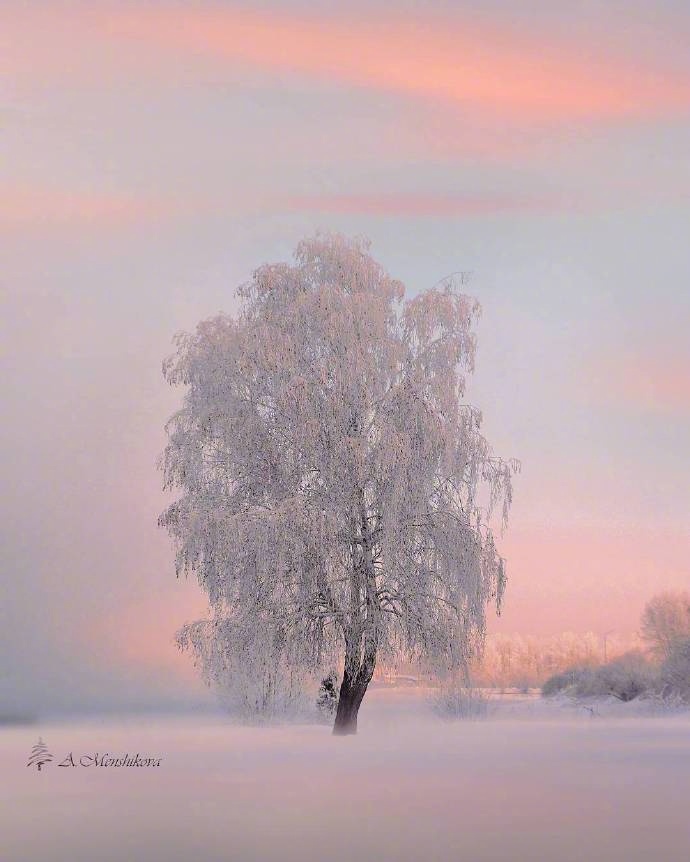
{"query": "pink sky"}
{"type": "Point", "coordinates": [154, 154]}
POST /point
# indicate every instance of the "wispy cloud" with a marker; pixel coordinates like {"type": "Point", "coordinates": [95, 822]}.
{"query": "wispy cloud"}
{"type": "Point", "coordinates": [452, 60]}
{"type": "Point", "coordinates": [22, 207]}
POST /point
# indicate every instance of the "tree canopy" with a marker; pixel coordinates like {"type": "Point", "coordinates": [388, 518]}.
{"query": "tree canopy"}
{"type": "Point", "coordinates": [665, 622]}
{"type": "Point", "coordinates": [335, 491]}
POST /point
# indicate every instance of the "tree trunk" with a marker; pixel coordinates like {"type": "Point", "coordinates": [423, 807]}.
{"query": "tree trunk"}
{"type": "Point", "coordinates": [349, 701]}
{"type": "Point", "coordinates": [356, 678]}
{"type": "Point", "coordinates": [361, 639]}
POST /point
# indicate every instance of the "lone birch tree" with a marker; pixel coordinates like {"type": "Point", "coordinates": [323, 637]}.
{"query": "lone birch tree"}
{"type": "Point", "coordinates": [335, 491]}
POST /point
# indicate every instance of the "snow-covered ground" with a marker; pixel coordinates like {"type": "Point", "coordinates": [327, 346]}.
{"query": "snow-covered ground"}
{"type": "Point", "coordinates": [536, 780]}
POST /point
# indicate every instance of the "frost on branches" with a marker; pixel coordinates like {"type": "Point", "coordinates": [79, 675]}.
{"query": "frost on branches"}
{"type": "Point", "coordinates": [334, 489]}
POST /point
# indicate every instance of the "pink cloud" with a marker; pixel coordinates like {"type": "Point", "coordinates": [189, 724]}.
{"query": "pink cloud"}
{"type": "Point", "coordinates": [537, 76]}
{"type": "Point", "coordinates": [23, 207]}
{"type": "Point", "coordinates": [448, 60]}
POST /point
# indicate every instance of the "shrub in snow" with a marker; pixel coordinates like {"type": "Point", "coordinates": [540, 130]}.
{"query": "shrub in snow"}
{"type": "Point", "coordinates": [454, 701]}
{"type": "Point", "coordinates": [628, 676]}
{"type": "Point", "coordinates": [624, 678]}
{"type": "Point", "coordinates": [567, 679]}
{"type": "Point", "coordinates": [327, 699]}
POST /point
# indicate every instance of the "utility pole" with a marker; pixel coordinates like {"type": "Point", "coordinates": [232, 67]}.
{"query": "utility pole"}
{"type": "Point", "coordinates": [606, 634]}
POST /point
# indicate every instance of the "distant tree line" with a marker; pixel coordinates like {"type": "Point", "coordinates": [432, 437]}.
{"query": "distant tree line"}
{"type": "Point", "coordinates": [661, 670]}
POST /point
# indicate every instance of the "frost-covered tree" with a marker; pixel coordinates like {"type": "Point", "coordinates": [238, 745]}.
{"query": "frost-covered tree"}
{"type": "Point", "coordinates": [675, 671]}
{"type": "Point", "coordinates": [249, 668]}
{"type": "Point", "coordinates": [665, 622]}
{"type": "Point", "coordinates": [335, 489]}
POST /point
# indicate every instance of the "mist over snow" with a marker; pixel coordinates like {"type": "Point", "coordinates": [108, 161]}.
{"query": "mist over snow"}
{"type": "Point", "coordinates": [534, 780]}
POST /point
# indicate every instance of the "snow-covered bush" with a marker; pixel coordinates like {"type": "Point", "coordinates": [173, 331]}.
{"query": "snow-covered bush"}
{"type": "Point", "coordinates": [624, 678]}
{"type": "Point", "coordinates": [327, 699]}
{"type": "Point", "coordinates": [454, 701]}
{"type": "Point", "coordinates": [567, 679]}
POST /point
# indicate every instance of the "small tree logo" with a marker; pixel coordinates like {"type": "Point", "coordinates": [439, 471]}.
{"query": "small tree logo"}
{"type": "Point", "coordinates": [39, 755]}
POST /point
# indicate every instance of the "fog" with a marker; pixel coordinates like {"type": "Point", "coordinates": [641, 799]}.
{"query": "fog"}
{"type": "Point", "coordinates": [534, 780]}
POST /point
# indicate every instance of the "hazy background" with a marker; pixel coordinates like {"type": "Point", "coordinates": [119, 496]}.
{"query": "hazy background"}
{"type": "Point", "coordinates": [152, 154]}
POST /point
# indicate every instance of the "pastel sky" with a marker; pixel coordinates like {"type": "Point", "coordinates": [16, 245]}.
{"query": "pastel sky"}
{"type": "Point", "coordinates": [152, 154]}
